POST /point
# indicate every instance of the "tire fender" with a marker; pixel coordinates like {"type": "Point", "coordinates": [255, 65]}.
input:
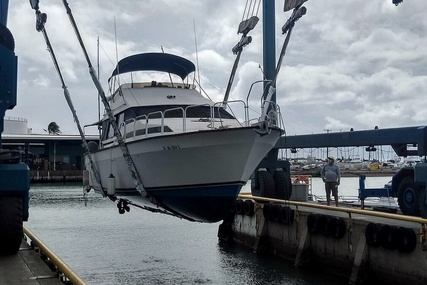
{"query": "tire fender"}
{"type": "Point", "coordinates": [249, 208]}
{"type": "Point", "coordinates": [313, 223]}
{"type": "Point", "coordinates": [407, 240]}
{"type": "Point", "coordinates": [238, 207]}
{"type": "Point", "coordinates": [372, 234]}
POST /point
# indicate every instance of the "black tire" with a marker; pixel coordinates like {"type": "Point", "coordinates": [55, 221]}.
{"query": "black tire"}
{"type": "Point", "coordinates": [313, 223]}
{"type": "Point", "coordinates": [249, 208]}
{"type": "Point", "coordinates": [225, 233]}
{"type": "Point", "coordinates": [337, 227]}
{"type": "Point", "coordinates": [238, 207]}
{"type": "Point", "coordinates": [372, 234]}
{"type": "Point", "coordinates": [268, 211]}
{"type": "Point", "coordinates": [323, 224]}
{"type": "Point", "coordinates": [276, 211]}
{"type": "Point", "coordinates": [423, 203]}
{"type": "Point", "coordinates": [282, 185]}
{"type": "Point", "coordinates": [407, 240]}
{"type": "Point", "coordinates": [286, 215]}
{"type": "Point", "coordinates": [6, 38]}
{"type": "Point", "coordinates": [11, 231]}
{"type": "Point", "coordinates": [264, 186]}
{"type": "Point", "coordinates": [389, 237]}
{"type": "Point", "coordinates": [408, 197]}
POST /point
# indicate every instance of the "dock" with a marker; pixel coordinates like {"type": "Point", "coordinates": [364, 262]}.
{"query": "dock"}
{"type": "Point", "coordinates": [364, 246]}
{"type": "Point", "coordinates": [35, 264]}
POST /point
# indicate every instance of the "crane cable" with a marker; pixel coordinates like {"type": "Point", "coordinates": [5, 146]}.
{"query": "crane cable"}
{"type": "Point", "coordinates": [251, 8]}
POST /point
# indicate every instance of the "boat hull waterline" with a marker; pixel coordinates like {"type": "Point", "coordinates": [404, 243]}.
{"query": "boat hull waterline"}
{"type": "Point", "coordinates": [195, 175]}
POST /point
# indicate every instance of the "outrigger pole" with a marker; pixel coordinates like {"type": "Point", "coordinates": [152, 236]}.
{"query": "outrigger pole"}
{"type": "Point", "coordinates": [135, 175]}
{"type": "Point", "coordinates": [40, 27]}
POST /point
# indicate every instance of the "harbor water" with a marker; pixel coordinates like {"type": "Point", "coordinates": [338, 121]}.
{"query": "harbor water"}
{"type": "Point", "coordinates": [141, 247]}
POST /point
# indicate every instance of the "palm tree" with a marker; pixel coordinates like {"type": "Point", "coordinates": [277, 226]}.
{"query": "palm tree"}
{"type": "Point", "coordinates": [53, 129]}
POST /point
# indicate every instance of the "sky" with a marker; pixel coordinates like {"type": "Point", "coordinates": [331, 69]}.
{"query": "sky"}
{"type": "Point", "coordinates": [349, 64]}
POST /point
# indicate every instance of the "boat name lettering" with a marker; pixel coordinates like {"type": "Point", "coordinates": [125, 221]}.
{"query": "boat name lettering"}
{"type": "Point", "coordinates": [170, 147]}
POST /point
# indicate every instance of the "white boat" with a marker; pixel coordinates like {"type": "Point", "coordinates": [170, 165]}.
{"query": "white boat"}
{"type": "Point", "coordinates": [192, 155]}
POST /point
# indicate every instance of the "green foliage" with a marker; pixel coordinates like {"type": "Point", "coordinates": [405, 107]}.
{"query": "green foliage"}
{"type": "Point", "coordinates": [53, 129]}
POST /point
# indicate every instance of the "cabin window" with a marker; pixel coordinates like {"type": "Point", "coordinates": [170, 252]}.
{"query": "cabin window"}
{"type": "Point", "coordinates": [107, 128]}
{"type": "Point", "coordinates": [151, 130]}
{"type": "Point", "coordinates": [121, 119]}
{"type": "Point", "coordinates": [110, 131]}
{"type": "Point", "coordinates": [104, 129]}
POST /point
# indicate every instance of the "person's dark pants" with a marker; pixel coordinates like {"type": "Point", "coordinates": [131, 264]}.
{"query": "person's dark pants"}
{"type": "Point", "coordinates": [331, 187]}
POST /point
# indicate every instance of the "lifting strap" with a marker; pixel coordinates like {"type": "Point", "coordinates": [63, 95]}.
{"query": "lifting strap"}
{"type": "Point", "coordinates": [131, 166]}
{"type": "Point", "coordinates": [40, 27]}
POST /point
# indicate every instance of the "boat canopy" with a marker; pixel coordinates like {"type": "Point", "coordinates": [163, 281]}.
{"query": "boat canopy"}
{"type": "Point", "coordinates": [156, 62]}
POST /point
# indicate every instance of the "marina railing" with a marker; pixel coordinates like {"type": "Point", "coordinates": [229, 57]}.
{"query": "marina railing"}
{"type": "Point", "coordinates": [62, 268]}
{"type": "Point", "coordinates": [347, 210]}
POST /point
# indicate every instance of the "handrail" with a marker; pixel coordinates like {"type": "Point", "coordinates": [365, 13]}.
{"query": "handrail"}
{"type": "Point", "coordinates": [338, 209]}
{"type": "Point", "coordinates": [184, 116]}
{"type": "Point", "coordinates": [162, 125]}
{"type": "Point", "coordinates": [61, 265]}
{"type": "Point", "coordinates": [228, 104]}
{"type": "Point", "coordinates": [212, 119]}
{"type": "Point", "coordinates": [249, 93]}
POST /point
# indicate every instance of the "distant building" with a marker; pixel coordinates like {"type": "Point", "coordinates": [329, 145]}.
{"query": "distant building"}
{"type": "Point", "coordinates": [44, 152]}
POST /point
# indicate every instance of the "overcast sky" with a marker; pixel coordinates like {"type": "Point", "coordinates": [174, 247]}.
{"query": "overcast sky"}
{"type": "Point", "coordinates": [349, 64]}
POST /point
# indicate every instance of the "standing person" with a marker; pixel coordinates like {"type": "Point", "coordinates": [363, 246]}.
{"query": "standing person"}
{"type": "Point", "coordinates": [331, 176]}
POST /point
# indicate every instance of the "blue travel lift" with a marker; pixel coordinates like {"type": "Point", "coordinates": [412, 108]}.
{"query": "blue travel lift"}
{"type": "Point", "coordinates": [272, 176]}
{"type": "Point", "coordinates": [14, 174]}
{"type": "Point", "coordinates": [408, 184]}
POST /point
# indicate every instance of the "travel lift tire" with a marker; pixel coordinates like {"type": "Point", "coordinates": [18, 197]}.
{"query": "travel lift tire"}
{"type": "Point", "coordinates": [283, 184]}
{"type": "Point", "coordinates": [264, 185]}
{"type": "Point", "coordinates": [277, 186]}
{"type": "Point", "coordinates": [11, 224]}
{"type": "Point", "coordinates": [408, 195]}
{"type": "Point", "coordinates": [423, 203]}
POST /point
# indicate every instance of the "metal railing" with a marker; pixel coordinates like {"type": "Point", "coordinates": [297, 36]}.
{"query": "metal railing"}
{"type": "Point", "coordinates": [131, 124]}
{"type": "Point", "coordinates": [413, 219]}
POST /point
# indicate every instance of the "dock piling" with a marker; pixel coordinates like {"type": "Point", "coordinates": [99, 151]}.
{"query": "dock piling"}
{"type": "Point", "coordinates": [358, 259]}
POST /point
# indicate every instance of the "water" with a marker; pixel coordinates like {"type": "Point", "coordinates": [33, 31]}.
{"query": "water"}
{"type": "Point", "coordinates": [349, 185]}
{"type": "Point", "coordinates": [140, 247]}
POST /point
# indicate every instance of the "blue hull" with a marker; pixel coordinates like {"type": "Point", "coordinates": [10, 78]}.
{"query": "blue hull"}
{"type": "Point", "coordinates": [209, 204]}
